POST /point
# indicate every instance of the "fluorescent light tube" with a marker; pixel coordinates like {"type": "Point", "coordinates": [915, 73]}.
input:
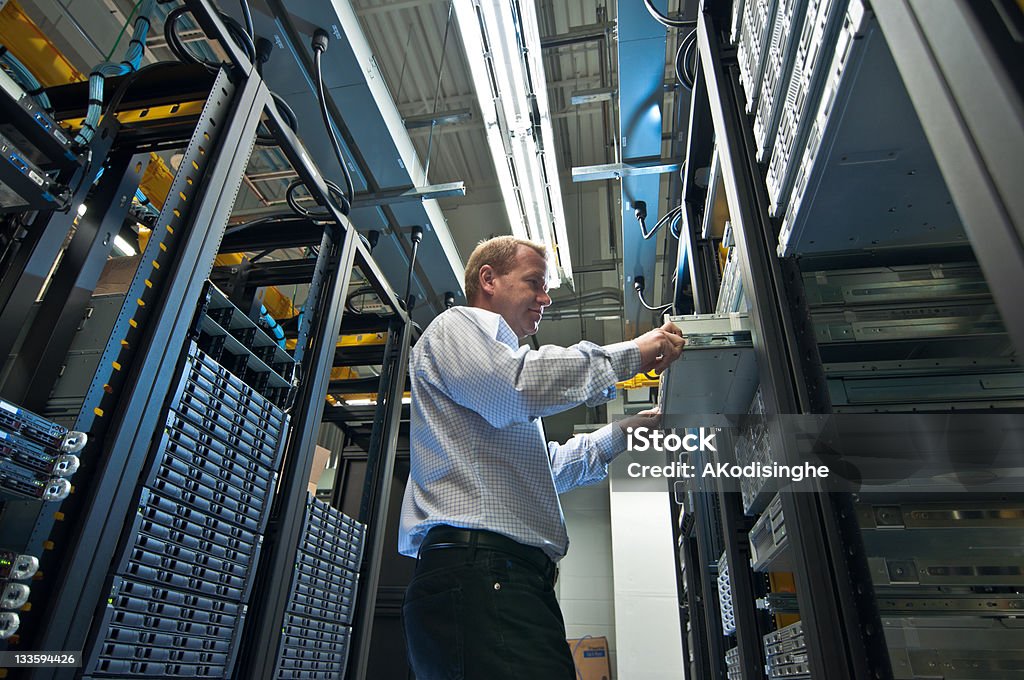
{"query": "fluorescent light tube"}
{"type": "Point", "coordinates": [502, 43]}
{"type": "Point", "coordinates": [123, 246]}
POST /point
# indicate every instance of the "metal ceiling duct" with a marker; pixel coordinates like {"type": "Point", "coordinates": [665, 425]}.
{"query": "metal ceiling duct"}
{"type": "Point", "coordinates": [642, 42]}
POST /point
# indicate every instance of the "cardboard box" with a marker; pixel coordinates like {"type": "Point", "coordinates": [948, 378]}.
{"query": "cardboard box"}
{"type": "Point", "coordinates": [591, 657]}
{"type": "Point", "coordinates": [117, 275]}
{"type": "Point", "coordinates": [320, 458]}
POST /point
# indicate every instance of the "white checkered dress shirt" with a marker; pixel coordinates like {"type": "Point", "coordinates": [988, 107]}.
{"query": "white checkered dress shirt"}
{"type": "Point", "coordinates": [479, 456]}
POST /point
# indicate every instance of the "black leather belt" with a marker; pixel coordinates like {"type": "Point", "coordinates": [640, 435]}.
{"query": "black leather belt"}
{"type": "Point", "coordinates": [441, 537]}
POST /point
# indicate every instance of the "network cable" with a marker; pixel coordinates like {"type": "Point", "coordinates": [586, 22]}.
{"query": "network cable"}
{"type": "Point", "coordinates": [130, 64]}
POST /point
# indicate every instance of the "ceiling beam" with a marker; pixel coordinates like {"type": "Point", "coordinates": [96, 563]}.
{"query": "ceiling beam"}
{"type": "Point", "coordinates": [439, 119]}
{"type": "Point", "coordinates": [415, 107]}
{"type": "Point", "coordinates": [272, 175]}
{"type": "Point", "coordinates": [601, 94]}
{"type": "Point", "coordinates": [577, 35]}
{"type": "Point", "coordinates": [421, 193]}
{"type": "Point", "coordinates": [591, 173]}
{"type": "Point", "coordinates": [388, 7]}
{"type": "Point", "coordinates": [390, 197]}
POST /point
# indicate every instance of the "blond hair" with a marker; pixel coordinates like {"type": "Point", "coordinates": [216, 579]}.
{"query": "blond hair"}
{"type": "Point", "coordinates": [501, 252]}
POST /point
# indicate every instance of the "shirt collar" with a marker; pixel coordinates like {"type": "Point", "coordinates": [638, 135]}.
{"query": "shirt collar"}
{"type": "Point", "coordinates": [494, 324]}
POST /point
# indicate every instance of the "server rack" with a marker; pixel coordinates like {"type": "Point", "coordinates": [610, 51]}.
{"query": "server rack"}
{"type": "Point", "coordinates": [202, 510]}
{"type": "Point", "coordinates": [875, 314]}
{"type": "Point", "coordinates": [177, 555]}
{"type": "Point", "coordinates": [318, 622]}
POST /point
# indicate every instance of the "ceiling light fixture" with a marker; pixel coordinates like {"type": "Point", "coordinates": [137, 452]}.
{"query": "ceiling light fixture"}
{"type": "Point", "coordinates": [503, 49]}
{"type": "Point", "coordinates": [368, 402]}
{"type": "Point", "coordinates": [123, 246]}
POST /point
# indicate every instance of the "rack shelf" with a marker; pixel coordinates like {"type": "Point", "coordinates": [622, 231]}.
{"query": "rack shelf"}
{"type": "Point", "coordinates": [258, 360]}
{"type": "Point", "coordinates": [235, 347]}
{"type": "Point", "coordinates": [241, 322]}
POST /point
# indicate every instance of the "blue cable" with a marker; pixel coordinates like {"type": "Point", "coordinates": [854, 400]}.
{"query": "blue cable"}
{"type": "Point", "coordinates": [24, 77]}
{"type": "Point", "coordinates": [674, 228]}
{"type": "Point", "coordinates": [273, 326]}
{"type": "Point", "coordinates": [130, 63]}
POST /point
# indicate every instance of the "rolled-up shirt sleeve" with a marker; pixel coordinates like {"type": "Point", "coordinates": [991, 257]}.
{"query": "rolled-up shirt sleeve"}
{"type": "Point", "coordinates": [584, 459]}
{"type": "Point", "coordinates": [520, 384]}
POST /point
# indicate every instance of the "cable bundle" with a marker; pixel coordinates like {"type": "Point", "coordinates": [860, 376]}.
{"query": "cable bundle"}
{"type": "Point", "coordinates": [24, 77]}
{"type": "Point", "coordinates": [130, 64]}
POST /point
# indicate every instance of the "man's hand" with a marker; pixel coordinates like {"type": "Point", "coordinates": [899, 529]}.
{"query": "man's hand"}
{"type": "Point", "coordinates": [660, 347]}
{"type": "Point", "coordinates": [651, 419]}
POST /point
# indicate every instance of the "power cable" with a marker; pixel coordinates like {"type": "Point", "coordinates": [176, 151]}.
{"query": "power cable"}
{"type": "Point", "coordinates": [685, 62]}
{"type": "Point", "coordinates": [667, 21]}
{"type": "Point", "coordinates": [319, 44]}
{"type": "Point", "coordinates": [333, 190]}
{"type": "Point", "coordinates": [416, 235]}
{"type": "Point", "coordinates": [638, 286]}
{"type": "Point", "coordinates": [236, 30]}
{"type": "Point", "coordinates": [247, 17]}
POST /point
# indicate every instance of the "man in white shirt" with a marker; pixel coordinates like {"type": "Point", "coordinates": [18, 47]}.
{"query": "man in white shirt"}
{"type": "Point", "coordinates": [481, 510]}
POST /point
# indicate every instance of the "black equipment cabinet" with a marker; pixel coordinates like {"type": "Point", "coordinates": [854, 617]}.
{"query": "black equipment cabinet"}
{"type": "Point", "coordinates": [181, 549]}
{"type": "Point", "coordinates": [864, 151]}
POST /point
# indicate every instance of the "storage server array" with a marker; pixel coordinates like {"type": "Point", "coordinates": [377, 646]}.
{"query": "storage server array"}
{"type": "Point", "coordinates": [732, 664]}
{"type": "Point", "coordinates": [785, 653]}
{"type": "Point", "coordinates": [37, 456]}
{"type": "Point", "coordinates": [725, 597]}
{"type": "Point", "coordinates": [730, 296]}
{"type": "Point", "coordinates": [318, 620]}
{"type": "Point", "coordinates": [818, 113]}
{"type": "Point", "coordinates": [946, 575]}
{"type": "Point", "coordinates": [183, 575]}
{"type": "Point", "coordinates": [751, 49]}
{"type": "Point", "coordinates": [173, 553]}
{"type": "Point", "coordinates": [736, 22]}
{"type": "Point", "coordinates": [948, 579]}
{"type": "Point", "coordinates": [778, 62]}
{"type": "Point", "coordinates": [753, 446]}
{"type": "Point", "coordinates": [873, 215]}
{"type": "Point", "coordinates": [912, 337]}
{"type": "Point", "coordinates": [803, 91]}
{"type": "Point", "coordinates": [14, 567]}
{"type": "Point", "coordinates": [768, 542]}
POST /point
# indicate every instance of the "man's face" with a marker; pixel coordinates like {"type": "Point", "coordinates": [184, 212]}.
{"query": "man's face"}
{"type": "Point", "coordinates": [521, 295]}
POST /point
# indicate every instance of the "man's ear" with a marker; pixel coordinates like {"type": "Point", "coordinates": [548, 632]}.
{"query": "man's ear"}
{"type": "Point", "coordinates": [487, 277]}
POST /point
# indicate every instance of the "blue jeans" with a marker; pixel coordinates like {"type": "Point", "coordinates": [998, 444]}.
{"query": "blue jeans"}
{"type": "Point", "coordinates": [478, 614]}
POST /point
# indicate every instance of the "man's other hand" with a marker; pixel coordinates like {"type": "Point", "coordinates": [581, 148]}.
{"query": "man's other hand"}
{"type": "Point", "coordinates": [660, 347]}
{"type": "Point", "coordinates": [650, 419]}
